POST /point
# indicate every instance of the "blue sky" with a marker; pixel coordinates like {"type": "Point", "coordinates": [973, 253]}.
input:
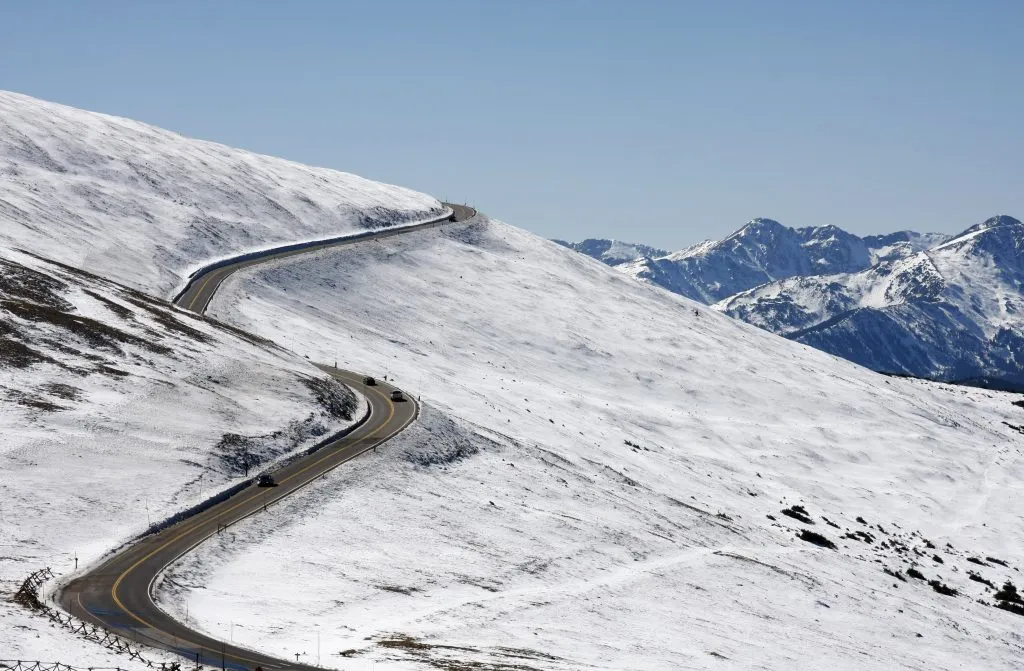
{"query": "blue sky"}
{"type": "Point", "coordinates": [661, 122]}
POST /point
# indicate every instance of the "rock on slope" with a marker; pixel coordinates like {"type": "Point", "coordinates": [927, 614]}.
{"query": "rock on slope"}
{"type": "Point", "coordinates": [85, 188]}
{"type": "Point", "coordinates": [953, 312]}
{"type": "Point", "coordinates": [607, 472]}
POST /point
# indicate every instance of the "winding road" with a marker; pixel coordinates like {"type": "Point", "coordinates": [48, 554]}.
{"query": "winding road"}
{"type": "Point", "coordinates": [117, 594]}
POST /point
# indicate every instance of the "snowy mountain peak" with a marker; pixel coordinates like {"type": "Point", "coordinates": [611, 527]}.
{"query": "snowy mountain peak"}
{"type": "Point", "coordinates": [762, 222]}
{"type": "Point", "coordinates": [1001, 237]}
{"type": "Point", "coordinates": [760, 228]}
{"type": "Point", "coordinates": [995, 222]}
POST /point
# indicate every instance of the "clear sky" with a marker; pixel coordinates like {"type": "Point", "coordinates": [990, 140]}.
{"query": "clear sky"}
{"type": "Point", "coordinates": [660, 122]}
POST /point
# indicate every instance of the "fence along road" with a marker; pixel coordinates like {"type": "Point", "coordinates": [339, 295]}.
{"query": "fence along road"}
{"type": "Point", "coordinates": [117, 594]}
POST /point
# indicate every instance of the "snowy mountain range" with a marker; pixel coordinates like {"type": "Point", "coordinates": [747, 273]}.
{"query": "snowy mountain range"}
{"type": "Point", "coordinates": [919, 304]}
{"type": "Point", "coordinates": [764, 251]}
{"type": "Point", "coordinates": [953, 312]}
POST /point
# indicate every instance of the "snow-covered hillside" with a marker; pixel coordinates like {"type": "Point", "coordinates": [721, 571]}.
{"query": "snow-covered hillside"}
{"type": "Point", "coordinates": [764, 251]}
{"type": "Point", "coordinates": [610, 476]}
{"type": "Point", "coordinates": [145, 206]}
{"type": "Point", "coordinates": [954, 312]}
{"type": "Point", "coordinates": [118, 410]}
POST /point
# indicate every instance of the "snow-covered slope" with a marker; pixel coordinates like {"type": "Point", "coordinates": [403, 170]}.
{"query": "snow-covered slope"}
{"type": "Point", "coordinates": [612, 252]}
{"type": "Point", "coordinates": [145, 206]}
{"type": "Point", "coordinates": [954, 312]}
{"type": "Point", "coordinates": [764, 251]}
{"type": "Point", "coordinates": [599, 480]}
{"type": "Point", "coordinates": [118, 410]}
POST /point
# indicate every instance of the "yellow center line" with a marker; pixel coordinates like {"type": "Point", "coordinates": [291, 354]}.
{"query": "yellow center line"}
{"type": "Point", "coordinates": [117, 583]}
{"type": "Point", "coordinates": [202, 287]}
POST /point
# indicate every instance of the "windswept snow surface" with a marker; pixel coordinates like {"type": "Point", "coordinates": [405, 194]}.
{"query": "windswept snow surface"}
{"type": "Point", "coordinates": [146, 207]}
{"type": "Point", "coordinates": [117, 411]}
{"type": "Point", "coordinates": [591, 482]}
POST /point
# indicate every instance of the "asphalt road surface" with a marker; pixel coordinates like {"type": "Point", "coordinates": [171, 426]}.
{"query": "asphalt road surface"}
{"type": "Point", "coordinates": [117, 595]}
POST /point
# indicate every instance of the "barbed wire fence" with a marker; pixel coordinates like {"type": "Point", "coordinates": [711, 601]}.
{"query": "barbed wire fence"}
{"type": "Point", "coordinates": [28, 596]}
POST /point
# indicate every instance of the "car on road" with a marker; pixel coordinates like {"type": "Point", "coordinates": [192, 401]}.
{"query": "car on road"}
{"type": "Point", "coordinates": [397, 396]}
{"type": "Point", "coordinates": [266, 480]}
{"type": "Point", "coordinates": [369, 381]}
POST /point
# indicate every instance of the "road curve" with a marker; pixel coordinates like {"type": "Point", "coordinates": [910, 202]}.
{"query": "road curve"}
{"type": "Point", "coordinates": [196, 296]}
{"type": "Point", "coordinates": [117, 595]}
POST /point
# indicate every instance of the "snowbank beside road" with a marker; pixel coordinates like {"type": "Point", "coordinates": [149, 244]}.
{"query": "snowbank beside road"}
{"type": "Point", "coordinates": [626, 448]}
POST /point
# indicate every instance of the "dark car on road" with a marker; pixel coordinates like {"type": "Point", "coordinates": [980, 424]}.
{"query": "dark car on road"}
{"type": "Point", "coordinates": [265, 480]}
{"type": "Point", "coordinates": [369, 381]}
{"type": "Point", "coordinates": [397, 396]}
